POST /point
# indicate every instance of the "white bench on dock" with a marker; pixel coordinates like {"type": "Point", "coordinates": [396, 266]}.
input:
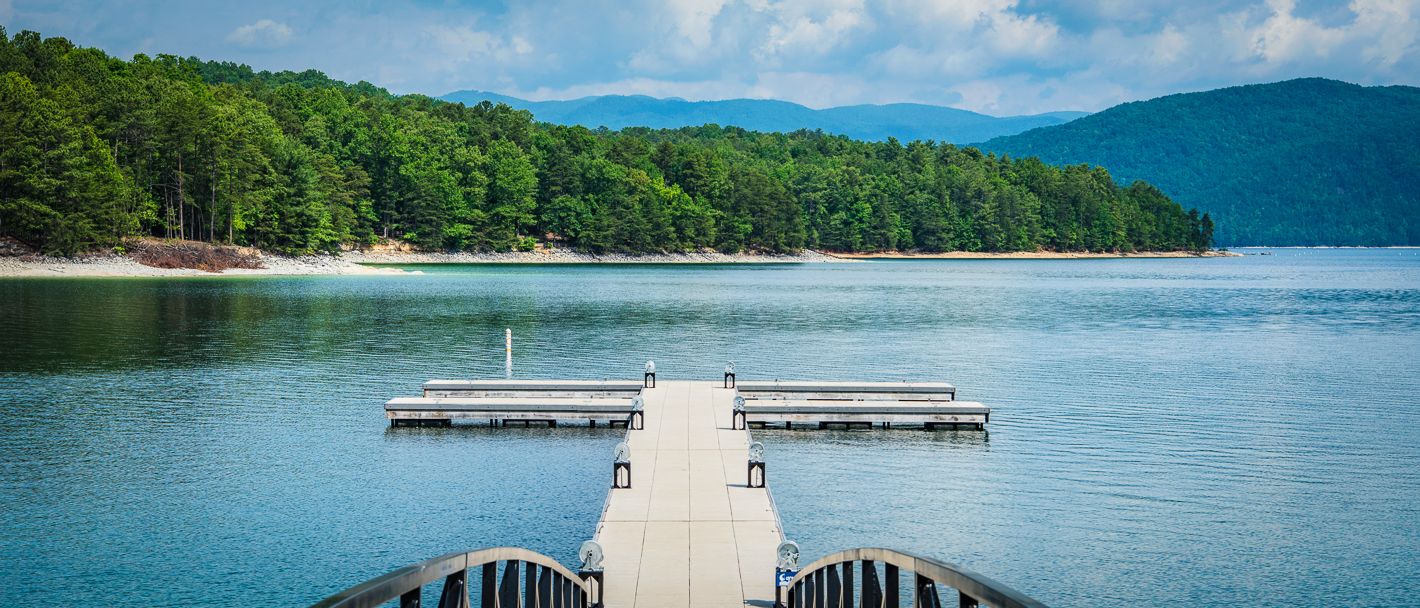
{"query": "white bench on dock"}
{"type": "Point", "coordinates": [928, 414]}
{"type": "Point", "coordinates": [929, 404]}
{"type": "Point", "coordinates": [443, 411]}
{"type": "Point", "coordinates": [810, 404]}
{"type": "Point", "coordinates": [532, 388]}
{"type": "Point", "coordinates": [846, 391]}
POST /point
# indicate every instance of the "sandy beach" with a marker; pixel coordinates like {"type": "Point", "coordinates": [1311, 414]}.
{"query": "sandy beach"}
{"type": "Point", "coordinates": [358, 263]}
{"type": "Point", "coordinates": [374, 263]}
{"type": "Point", "coordinates": [1028, 255]}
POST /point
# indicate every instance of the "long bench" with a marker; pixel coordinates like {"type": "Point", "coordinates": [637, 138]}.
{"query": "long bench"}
{"type": "Point", "coordinates": [846, 391]}
{"type": "Point", "coordinates": [533, 388]}
{"type": "Point", "coordinates": [929, 414]}
{"type": "Point", "coordinates": [931, 405]}
{"type": "Point", "coordinates": [442, 411]}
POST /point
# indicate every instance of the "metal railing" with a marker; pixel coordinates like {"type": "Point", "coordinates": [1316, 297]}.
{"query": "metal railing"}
{"type": "Point", "coordinates": [544, 583]}
{"type": "Point", "coordinates": [851, 578]}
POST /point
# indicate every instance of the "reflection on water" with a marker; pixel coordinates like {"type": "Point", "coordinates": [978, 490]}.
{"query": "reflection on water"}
{"type": "Point", "coordinates": [1165, 432]}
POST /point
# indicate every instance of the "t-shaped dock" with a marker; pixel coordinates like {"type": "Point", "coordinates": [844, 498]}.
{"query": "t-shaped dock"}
{"type": "Point", "coordinates": [682, 525]}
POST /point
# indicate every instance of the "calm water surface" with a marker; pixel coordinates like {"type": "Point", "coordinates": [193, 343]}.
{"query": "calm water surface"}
{"type": "Point", "coordinates": [1166, 432]}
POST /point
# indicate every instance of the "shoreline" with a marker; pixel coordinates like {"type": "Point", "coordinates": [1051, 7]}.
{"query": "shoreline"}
{"type": "Point", "coordinates": [369, 263]}
{"type": "Point", "coordinates": [565, 256]}
{"type": "Point", "coordinates": [1029, 255]}
{"type": "Point", "coordinates": [378, 263]}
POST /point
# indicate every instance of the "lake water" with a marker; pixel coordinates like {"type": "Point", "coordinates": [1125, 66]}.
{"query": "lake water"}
{"type": "Point", "coordinates": [1166, 432]}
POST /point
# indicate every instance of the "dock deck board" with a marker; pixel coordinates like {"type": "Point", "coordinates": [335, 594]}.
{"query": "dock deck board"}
{"type": "Point", "coordinates": [688, 532]}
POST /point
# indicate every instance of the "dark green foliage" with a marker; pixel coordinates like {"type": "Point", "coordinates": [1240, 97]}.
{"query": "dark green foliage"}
{"type": "Point", "coordinates": [96, 149]}
{"type": "Point", "coordinates": [1302, 162]}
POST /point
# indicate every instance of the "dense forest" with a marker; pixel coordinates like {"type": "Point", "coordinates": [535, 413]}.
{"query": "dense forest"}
{"type": "Point", "coordinates": [1303, 162]}
{"type": "Point", "coordinates": [94, 150]}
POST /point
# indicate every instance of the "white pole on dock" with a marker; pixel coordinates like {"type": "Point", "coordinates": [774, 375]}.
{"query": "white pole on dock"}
{"type": "Point", "coordinates": [508, 352]}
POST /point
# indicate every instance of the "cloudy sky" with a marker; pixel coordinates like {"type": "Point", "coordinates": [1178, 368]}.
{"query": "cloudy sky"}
{"type": "Point", "coordinates": [994, 56]}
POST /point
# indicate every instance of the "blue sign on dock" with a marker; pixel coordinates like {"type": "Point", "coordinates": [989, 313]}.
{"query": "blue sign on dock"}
{"type": "Point", "coordinates": [783, 577]}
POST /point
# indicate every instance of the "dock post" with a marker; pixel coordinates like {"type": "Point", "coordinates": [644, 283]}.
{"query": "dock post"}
{"type": "Point", "coordinates": [738, 420]}
{"type": "Point", "coordinates": [650, 378]}
{"type": "Point", "coordinates": [637, 421]}
{"type": "Point", "coordinates": [730, 375]}
{"type": "Point", "coordinates": [785, 568]}
{"type": "Point", "coordinates": [508, 353]}
{"type": "Point", "coordinates": [591, 571]}
{"type": "Point", "coordinates": [756, 465]}
{"type": "Point", "coordinates": [621, 467]}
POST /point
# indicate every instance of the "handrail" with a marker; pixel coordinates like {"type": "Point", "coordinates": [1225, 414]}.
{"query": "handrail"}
{"type": "Point", "coordinates": [829, 581]}
{"type": "Point", "coordinates": [552, 585]}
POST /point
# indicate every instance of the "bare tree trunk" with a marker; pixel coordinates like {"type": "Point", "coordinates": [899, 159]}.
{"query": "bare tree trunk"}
{"type": "Point", "coordinates": [167, 212]}
{"type": "Point", "coordinates": [182, 222]}
{"type": "Point", "coordinates": [212, 208]}
{"type": "Point", "coordinates": [232, 212]}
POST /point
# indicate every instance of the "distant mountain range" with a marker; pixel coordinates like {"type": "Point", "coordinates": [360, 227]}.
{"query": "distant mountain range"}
{"type": "Point", "coordinates": [905, 121]}
{"type": "Point", "coordinates": [1302, 162]}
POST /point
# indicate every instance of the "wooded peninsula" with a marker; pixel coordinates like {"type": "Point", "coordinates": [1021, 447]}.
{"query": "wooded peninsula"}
{"type": "Point", "coordinates": [95, 150]}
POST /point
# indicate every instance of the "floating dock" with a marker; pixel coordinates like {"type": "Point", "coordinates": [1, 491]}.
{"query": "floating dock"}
{"type": "Point", "coordinates": [787, 404]}
{"type": "Point", "coordinates": [931, 405]}
{"type": "Point", "coordinates": [689, 520]}
{"type": "Point", "coordinates": [517, 401]}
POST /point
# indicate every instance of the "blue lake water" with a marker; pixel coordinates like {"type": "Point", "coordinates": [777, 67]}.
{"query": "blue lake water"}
{"type": "Point", "coordinates": [1166, 432]}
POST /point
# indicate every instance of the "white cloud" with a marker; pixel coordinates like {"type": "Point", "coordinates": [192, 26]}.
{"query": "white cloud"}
{"type": "Point", "coordinates": [453, 47]}
{"type": "Point", "coordinates": [1390, 25]}
{"type": "Point", "coordinates": [1285, 37]}
{"type": "Point", "coordinates": [694, 19]}
{"type": "Point", "coordinates": [683, 36]}
{"type": "Point", "coordinates": [810, 28]}
{"type": "Point", "coordinates": [264, 34]}
{"type": "Point", "coordinates": [1168, 47]}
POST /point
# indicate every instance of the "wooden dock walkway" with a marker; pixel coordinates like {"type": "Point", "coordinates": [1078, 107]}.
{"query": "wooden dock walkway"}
{"type": "Point", "coordinates": [689, 532]}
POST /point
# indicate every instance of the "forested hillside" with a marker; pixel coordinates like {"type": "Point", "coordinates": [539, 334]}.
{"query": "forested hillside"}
{"type": "Point", "coordinates": [95, 149]}
{"type": "Point", "coordinates": [905, 121]}
{"type": "Point", "coordinates": [1302, 162]}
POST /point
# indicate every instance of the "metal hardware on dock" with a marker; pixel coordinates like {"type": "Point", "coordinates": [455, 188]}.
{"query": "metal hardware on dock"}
{"type": "Point", "coordinates": [754, 476]}
{"type": "Point", "coordinates": [621, 467]}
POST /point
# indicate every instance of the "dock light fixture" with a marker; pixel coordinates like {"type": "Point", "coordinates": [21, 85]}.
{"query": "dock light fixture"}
{"type": "Point", "coordinates": [638, 415]}
{"type": "Point", "coordinates": [730, 375]}
{"type": "Point", "coordinates": [786, 567]}
{"type": "Point", "coordinates": [591, 571]}
{"type": "Point", "coordinates": [738, 421]}
{"type": "Point", "coordinates": [621, 467]}
{"type": "Point", "coordinates": [756, 478]}
{"type": "Point", "coordinates": [650, 374]}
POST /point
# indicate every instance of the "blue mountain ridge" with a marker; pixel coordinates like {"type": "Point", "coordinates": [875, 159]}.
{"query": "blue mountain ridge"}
{"type": "Point", "coordinates": [905, 121]}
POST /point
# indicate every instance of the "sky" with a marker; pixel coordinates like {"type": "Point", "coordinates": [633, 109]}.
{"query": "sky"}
{"type": "Point", "coordinates": [999, 57]}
